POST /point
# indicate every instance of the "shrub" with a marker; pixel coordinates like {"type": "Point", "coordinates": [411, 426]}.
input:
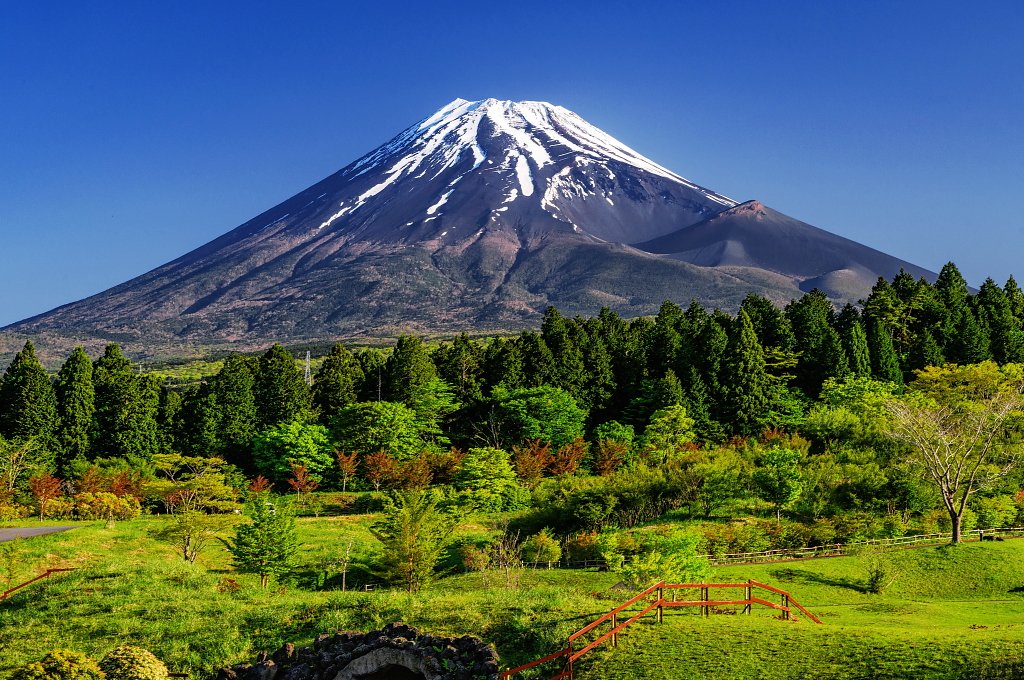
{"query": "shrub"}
{"type": "Point", "coordinates": [60, 664]}
{"type": "Point", "coordinates": [9, 511]}
{"type": "Point", "coordinates": [998, 511]}
{"type": "Point", "coordinates": [367, 503]}
{"type": "Point", "coordinates": [132, 663]}
{"type": "Point", "coordinates": [105, 505]}
{"type": "Point", "coordinates": [542, 547]}
{"type": "Point", "coordinates": [60, 508]}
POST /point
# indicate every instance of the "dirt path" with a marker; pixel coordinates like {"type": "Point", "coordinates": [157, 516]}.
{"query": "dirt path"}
{"type": "Point", "coordinates": [28, 532]}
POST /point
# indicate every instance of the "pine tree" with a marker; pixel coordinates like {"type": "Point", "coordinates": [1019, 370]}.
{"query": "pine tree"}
{"type": "Point", "coordinates": [925, 352]}
{"type": "Point", "coordinates": [996, 315]}
{"type": "Point", "coordinates": [281, 392]}
{"type": "Point", "coordinates": [28, 406]}
{"type": "Point", "coordinates": [267, 544]}
{"type": "Point", "coordinates": [855, 343]}
{"type": "Point", "coordinates": [821, 351]}
{"type": "Point", "coordinates": [408, 368]}
{"type": "Point", "coordinates": [233, 391]}
{"type": "Point", "coordinates": [126, 410]}
{"type": "Point", "coordinates": [537, 361]}
{"type": "Point", "coordinates": [76, 403]}
{"type": "Point", "coordinates": [746, 386]}
{"type": "Point", "coordinates": [884, 363]}
{"type": "Point", "coordinates": [337, 381]}
{"type": "Point", "coordinates": [563, 338]}
{"type": "Point", "coordinates": [372, 362]}
{"type": "Point", "coordinates": [1015, 296]}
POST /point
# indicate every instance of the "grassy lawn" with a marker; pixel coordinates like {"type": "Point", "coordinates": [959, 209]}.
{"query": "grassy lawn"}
{"type": "Point", "coordinates": [951, 612]}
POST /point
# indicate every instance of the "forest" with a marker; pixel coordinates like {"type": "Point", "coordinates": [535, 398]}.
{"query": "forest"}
{"type": "Point", "coordinates": [805, 421]}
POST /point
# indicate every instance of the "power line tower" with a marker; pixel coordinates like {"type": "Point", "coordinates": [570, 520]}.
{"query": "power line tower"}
{"type": "Point", "coordinates": [309, 374]}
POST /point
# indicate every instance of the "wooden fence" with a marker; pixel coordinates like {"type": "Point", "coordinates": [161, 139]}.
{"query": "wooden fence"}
{"type": "Point", "coordinates": [619, 618]}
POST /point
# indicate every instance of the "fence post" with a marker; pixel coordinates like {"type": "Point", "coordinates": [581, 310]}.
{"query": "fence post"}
{"type": "Point", "coordinates": [661, 598]}
{"type": "Point", "coordinates": [705, 608]}
{"type": "Point", "coordinates": [750, 594]}
{"type": "Point", "coordinates": [615, 636]}
{"type": "Point", "coordinates": [785, 603]}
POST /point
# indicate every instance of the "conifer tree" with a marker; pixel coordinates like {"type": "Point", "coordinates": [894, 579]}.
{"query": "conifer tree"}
{"type": "Point", "coordinates": [28, 406]}
{"type": "Point", "coordinates": [884, 363]}
{"type": "Point", "coordinates": [372, 362]}
{"type": "Point", "coordinates": [746, 386]}
{"type": "Point", "coordinates": [503, 365]}
{"type": "Point", "coordinates": [821, 351]}
{"type": "Point", "coordinates": [599, 383]}
{"type": "Point", "coordinates": [925, 352]}
{"type": "Point", "coordinates": [126, 409]}
{"type": "Point", "coordinates": [537, 361]}
{"type": "Point", "coordinates": [408, 368]}
{"type": "Point", "coordinates": [337, 381]}
{"type": "Point", "coordinates": [1015, 296]}
{"type": "Point", "coordinates": [562, 337]}
{"type": "Point", "coordinates": [266, 544]}
{"type": "Point", "coordinates": [76, 403]}
{"type": "Point", "coordinates": [855, 343]}
{"type": "Point", "coordinates": [281, 392]}
{"type": "Point", "coordinates": [996, 315]}
{"type": "Point", "coordinates": [233, 391]}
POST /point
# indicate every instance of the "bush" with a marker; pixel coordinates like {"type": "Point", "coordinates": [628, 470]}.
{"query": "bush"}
{"type": "Point", "coordinates": [60, 664]}
{"type": "Point", "coordinates": [367, 503]}
{"type": "Point", "coordinates": [995, 512]}
{"type": "Point", "coordinates": [542, 547]}
{"type": "Point", "coordinates": [9, 511]}
{"type": "Point", "coordinates": [60, 508]}
{"type": "Point", "coordinates": [132, 663]}
{"type": "Point", "coordinates": [104, 505]}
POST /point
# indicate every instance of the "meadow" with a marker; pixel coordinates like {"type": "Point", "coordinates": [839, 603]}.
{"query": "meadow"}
{"type": "Point", "coordinates": [948, 612]}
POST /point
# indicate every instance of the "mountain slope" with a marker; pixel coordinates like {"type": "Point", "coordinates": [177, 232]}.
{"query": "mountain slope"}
{"type": "Point", "coordinates": [477, 217]}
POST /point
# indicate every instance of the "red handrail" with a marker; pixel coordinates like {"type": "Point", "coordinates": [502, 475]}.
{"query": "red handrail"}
{"type": "Point", "coordinates": [7, 593]}
{"type": "Point", "coordinates": [574, 655]}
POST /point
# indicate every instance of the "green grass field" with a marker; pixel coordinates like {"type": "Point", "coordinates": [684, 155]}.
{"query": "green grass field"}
{"type": "Point", "coordinates": [950, 612]}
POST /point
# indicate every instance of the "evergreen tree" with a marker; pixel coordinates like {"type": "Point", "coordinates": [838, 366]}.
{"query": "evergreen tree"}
{"type": "Point", "coordinates": [966, 340]}
{"type": "Point", "coordinates": [1015, 296]}
{"type": "Point", "coordinates": [408, 368]}
{"type": "Point", "coordinates": [280, 389]}
{"type": "Point", "coordinates": [460, 364]}
{"type": "Point", "coordinates": [855, 344]}
{"type": "Point", "coordinates": [884, 364]}
{"type": "Point", "coordinates": [169, 420]}
{"type": "Point", "coordinates": [28, 406]}
{"type": "Point", "coordinates": [337, 381]}
{"type": "Point", "coordinates": [821, 351]}
{"type": "Point", "coordinates": [664, 342]}
{"type": "Point", "coordinates": [925, 352]}
{"type": "Point", "coordinates": [599, 383]}
{"type": "Point", "coordinates": [233, 391]}
{"type": "Point", "coordinates": [562, 337]}
{"type": "Point", "coordinates": [746, 386]}
{"type": "Point", "coordinates": [76, 402]}
{"type": "Point", "coordinates": [372, 362]}
{"type": "Point", "coordinates": [996, 314]}
{"type": "Point", "coordinates": [503, 365]}
{"type": "Point", "coordinates": [267, 544]}
{"type": "Point", "coordinates": [126, 410]}
{"type": "Point", "coordinates": [198, 420]}
{"type": "Point", "coordinates": [537, 361]}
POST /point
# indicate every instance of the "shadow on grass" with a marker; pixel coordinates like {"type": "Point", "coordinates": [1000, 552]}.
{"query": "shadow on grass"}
{"type": "Point", "coordinates": [809, 577]}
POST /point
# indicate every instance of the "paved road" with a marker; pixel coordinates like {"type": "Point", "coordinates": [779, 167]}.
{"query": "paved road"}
{"type": "Point", "coordinates": [11, 534]}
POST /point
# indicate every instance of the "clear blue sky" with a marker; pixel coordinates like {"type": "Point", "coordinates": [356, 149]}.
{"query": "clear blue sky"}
{"type": "Point", "coordinates": [132, 132]}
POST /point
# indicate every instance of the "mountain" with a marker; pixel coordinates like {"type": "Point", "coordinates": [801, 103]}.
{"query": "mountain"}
{"type": "Point", "coordinates": [477, 217]}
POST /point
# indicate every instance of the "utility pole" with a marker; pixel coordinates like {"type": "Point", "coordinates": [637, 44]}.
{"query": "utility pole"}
{"type": "Point", "coordinates": [309, 374]}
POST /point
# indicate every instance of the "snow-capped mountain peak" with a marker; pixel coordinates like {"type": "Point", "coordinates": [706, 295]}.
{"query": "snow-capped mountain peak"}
{"type": "Point", "coordinates": [498, 164]}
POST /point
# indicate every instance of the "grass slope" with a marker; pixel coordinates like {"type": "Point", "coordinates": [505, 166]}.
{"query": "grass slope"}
{"type": "Point", "coordinates": [952, 612]}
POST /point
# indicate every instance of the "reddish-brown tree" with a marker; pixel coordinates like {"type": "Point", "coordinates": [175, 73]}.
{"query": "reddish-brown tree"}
{"type": "Point", "coordinates": [301, 482]}
{"type": "Point", "coordinates": [380, 469]}
{"type": "Point", "coordinates": [348, 465]}
{"type": "Point", "coordinates": [530, 461]}
{"type": "Point", "coordinates": [259, 485]}
{"type": "Point", "coordinates": [568, 458]}
{"type": "Point", "coordinates": [609, 456]}
{"type": "Point", "coordinates": [44, 488]}
{"type": "Point", "coordinates": [414, 474]}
